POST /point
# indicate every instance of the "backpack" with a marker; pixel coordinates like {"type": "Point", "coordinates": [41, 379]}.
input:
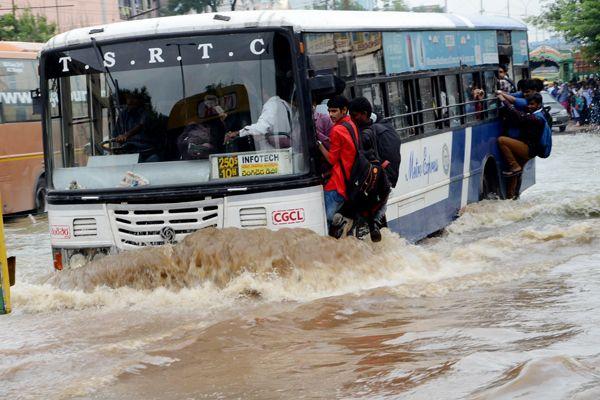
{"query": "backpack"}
{"type": "Point", "coordinates": [545, 144]}
{"type": "Point", "coordinates": [548, 116]}
{"type": "Point", "coordinates": [388, 148]}
{"type": "Point", "coordinates": [363, 183]}
{"type": "Point", "coordinates": [194, 142]}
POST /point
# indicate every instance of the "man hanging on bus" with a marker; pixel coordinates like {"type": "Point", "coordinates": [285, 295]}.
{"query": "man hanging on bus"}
{"type": "Point", "coordinates": [517, 151]}
{"type": "Point", "coordinates": [341, 155]}
{"type": "Point", "coordinates": [381, 144]}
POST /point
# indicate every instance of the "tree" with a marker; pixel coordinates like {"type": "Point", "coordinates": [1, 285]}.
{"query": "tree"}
{"type": "Point", "coordinates": [26, 27]}
{"type": "Point", "coordinates": [577, 20]}
{"type": "Point", "coordinates": [338, 5]}
{"type": "Point", "coordinates": [395, 5]}
{"type": "Point", "coordinates": [436, 8]}
{"type": "Point", "coordinates": [198, 6]}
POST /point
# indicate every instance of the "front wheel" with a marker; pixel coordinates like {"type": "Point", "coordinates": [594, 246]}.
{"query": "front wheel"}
{"type": "Point", "coordinates": [562, 128]}
{"type": "Point", "coordinates": [40, 195]}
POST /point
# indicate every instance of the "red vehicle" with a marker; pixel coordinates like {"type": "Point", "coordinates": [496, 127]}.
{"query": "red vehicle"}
{"type": "Point", "coordinates": [22, 181]}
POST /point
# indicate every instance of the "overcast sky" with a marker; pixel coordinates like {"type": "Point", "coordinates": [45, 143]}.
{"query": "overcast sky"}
{"type": "Point", "coordinates": [518, 9]}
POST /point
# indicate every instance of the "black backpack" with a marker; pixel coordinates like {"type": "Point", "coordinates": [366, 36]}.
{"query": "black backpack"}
{"type": "Point", "coordinates": [362, 186]}
{"type": "Point", "coordinates": [547, 115]}
{"type": "Point", "coordinates": [388, 148]}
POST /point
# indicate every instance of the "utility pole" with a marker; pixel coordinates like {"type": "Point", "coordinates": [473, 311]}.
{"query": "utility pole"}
{"type": "Point", "coordinates": [57, 15]}
{"type": "Point", "coordinates": [445, 6]}
{"type": "Point", "coordinates": [481, 7]}
{"type": "Point", "coordinates": [508, 8]}
{"type": "Point", "coordinates": [103, 6]}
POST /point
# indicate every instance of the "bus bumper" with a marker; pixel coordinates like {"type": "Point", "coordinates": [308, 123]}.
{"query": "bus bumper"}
{"type": "Point", "coordinates": [85, 232]}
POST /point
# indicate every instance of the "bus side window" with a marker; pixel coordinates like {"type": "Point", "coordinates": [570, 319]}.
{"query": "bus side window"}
{"type": "Point", "coordinates": [410, 99]}
{"type": "Point", "coordinates": [343, 49]}
{"type": "Point", "coordinates": [520, 73]}
{"type": "Point", "coordinates": [368, 53]}
{"type": "Point", "coordinates": [427, 104]}
{"type": "Point", "coordinates": [374, 94]}
{"type": "Point", "coordinates": [17, 78]}
{"type": "Point", "coordinates": [471, 84]}
{"type": "Point", "coordinates": [440, 102]}
{"type": "Point", "coordinates": [397, 108]}
{"type": "Point", "coordinates": [453, 97]}
{"type": "Point", "coordinates": [489, 78]}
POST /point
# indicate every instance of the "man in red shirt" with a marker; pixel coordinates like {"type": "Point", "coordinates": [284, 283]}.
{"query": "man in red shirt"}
{"type": "Point", "coordinates": [342, 152]}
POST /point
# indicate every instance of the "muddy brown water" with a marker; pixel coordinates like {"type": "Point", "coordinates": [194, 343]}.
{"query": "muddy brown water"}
{"type": "Point", "coordinates": [503, 305]}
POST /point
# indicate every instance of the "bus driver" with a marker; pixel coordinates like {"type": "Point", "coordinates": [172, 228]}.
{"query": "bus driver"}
{"type": "Point", "coordinates": [133, 127]}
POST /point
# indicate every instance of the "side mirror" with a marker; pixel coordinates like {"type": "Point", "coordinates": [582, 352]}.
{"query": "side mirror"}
{"type": "Point", "coordinates": [36, 99]}
{"type": "Point", "coordinates": [326, 85]}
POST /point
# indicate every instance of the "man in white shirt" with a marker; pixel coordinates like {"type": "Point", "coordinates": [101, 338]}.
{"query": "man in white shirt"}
{"type": "Point", "coordinates": [273, 128]}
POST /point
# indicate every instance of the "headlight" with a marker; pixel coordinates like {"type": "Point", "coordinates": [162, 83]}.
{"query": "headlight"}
{"type": "Point", "coordinates": [77, 258]}
{"type": "Point", "coordinates": [563, 113]}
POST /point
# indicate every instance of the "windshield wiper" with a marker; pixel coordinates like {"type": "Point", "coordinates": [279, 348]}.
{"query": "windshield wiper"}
{"type": "Point", "coordinates": [114, 82]}
{"type": "Point", "coordinates": [179, 58]}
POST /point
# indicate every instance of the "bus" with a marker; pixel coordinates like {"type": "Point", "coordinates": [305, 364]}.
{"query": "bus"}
{"type": "Point", "coordinates": [135, 116]}
{"type": "Point", "coordinates": [22, 179]}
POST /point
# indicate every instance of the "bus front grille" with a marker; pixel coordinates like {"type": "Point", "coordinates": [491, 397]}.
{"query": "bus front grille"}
{"type": "Point", "coordinates": [142, 225]}
{"type": "Point", "coordinates": [253, 217]}
{"type": "Point", "coordinates": [85, 227]}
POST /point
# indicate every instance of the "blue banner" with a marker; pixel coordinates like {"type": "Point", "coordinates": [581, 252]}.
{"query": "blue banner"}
{"type": "Point", "coordinates": [414, 51]}
{"type": "Point", "coordinates": [520, 49]}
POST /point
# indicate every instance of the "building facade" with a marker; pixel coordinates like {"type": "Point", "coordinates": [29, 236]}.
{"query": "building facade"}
{"type": "Point", "coordinates": [69, 14]}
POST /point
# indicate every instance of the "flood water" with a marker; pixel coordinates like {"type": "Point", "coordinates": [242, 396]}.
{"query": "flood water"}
{"type": "Point", "coordinates": [503, 305]}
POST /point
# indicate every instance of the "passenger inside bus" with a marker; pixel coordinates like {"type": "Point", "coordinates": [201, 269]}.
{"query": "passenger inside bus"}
{"type": "Point", "coordinates": [204, 134]}
{"type": "Point", "coordinates": [475, 104]}
{"type": "Point", "coordinates": [273, 129]}
{"type": "Point", "coordinates": [134, 126]}
{"type": "Point", "coordinates": [197, 124]}
{"type": "Point", "coordinates": [275, 126]}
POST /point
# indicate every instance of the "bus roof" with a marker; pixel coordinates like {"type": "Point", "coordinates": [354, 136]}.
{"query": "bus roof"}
{"type": "Point", "coordinates": [21, 46]}
{"type": "Point", "coordinates": [20, 50]}
{"type": "Point", "coordinates": [300, 20]}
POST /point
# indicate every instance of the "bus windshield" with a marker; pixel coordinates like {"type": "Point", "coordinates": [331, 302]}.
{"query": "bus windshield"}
{"type": "Point", "coordinates": [173, 111]}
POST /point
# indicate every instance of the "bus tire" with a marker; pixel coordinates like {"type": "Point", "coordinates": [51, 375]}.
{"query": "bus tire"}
{"type": "Point", "coordinates": [490, 183]}
{"type": "Point", "coordinates": [40, 195]}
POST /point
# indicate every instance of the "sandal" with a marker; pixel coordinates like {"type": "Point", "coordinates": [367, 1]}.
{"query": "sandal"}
{"type": "Point", "coordinates": [510, 174]}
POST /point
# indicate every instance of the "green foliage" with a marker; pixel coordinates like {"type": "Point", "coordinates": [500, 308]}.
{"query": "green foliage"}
{"type": "Point", "coordinates": [395, 5]}
{"type": "Point", "coordinates": [436, 8]}
{"type": "Point", "coordinates": [176, 7]}
{"type": "Point", "coordinates": [337, 5]}
{"type": "Point", "coordinates": [577, 20]}
{"type": "Point", "coordinates": [348, 5]}
{"type": "Point", "coordinates": [26, 27]}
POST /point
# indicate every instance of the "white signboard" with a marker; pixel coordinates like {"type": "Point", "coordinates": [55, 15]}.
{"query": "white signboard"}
{"type": "Point", "coordinates": [255, 163]}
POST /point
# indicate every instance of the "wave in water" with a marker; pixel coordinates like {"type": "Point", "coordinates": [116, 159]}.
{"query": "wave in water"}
{"type": "Point", "coordinates": [219, 267]}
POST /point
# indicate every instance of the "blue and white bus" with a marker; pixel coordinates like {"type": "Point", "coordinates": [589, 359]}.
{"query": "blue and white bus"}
{"type": "Point", "coordinates": [135, 116]}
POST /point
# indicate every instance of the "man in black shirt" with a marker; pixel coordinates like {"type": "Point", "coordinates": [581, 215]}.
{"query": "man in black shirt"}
{"type": "Point", "coordinates": [374, 212]}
